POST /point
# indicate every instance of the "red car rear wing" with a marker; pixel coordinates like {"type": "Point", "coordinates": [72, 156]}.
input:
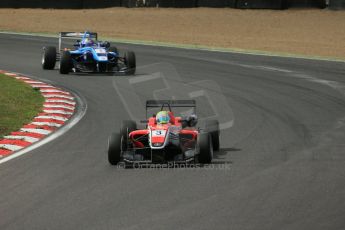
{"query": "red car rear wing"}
{"type": "Point", "coordinates": [171, 104]}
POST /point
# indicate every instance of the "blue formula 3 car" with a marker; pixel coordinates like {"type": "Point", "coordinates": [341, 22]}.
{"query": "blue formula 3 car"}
{"type": "Point", "coordinates": [87, 55]}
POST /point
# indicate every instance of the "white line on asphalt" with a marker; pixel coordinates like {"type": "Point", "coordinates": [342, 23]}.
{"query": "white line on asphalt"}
{"type": "Point", "coordinates": [274, 69]}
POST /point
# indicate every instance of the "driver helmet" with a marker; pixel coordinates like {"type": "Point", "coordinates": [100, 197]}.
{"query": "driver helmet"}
{"type": "Point", "coordinates": [163, 117]}
{"type": "Point", "coordinates": [87, 42]}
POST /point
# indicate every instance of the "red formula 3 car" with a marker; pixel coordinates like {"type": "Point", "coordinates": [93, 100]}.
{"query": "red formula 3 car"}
{"type": "Point", "coordinates": [166, 138]}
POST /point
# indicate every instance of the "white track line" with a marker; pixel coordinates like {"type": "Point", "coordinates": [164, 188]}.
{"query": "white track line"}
{"type": "Point", "coordinates": [24, 138]}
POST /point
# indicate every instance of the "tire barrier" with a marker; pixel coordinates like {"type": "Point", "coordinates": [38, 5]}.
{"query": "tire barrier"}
{"type": "Point", "coordinates": [307, 3]}
{"type": "Point", "coordinates": [177, 3]}
{"type": "Point", "coordinates": [61, 4]}
{"type": "Point", "coordinates": [92, 4]}
{"type": "Point", "coordinates": [129, 3]}
{"type": "Point", "coordinates": [241, 4]}
{"type": "Point", "coordinates": [185, 3]}
{"type": "Point", "coordinates": [151, 3]}
{"type": "Point", "coordinates": [165, 3]}
{"type": "Point", "coordinates": [261, 4]}
{"type": "Point", "coordinates": [216, 3]}
{"type": "Point", "coordinates": [232, 3]}
{"type": "Point", "coordinates": [337, 4]}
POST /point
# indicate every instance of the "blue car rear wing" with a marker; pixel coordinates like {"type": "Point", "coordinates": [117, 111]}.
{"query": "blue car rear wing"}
{"type": "Point", "coordinates": [74, 35]}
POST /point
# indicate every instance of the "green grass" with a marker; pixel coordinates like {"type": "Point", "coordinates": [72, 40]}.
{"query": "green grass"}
{"type": "Point", "coordinates": [19, 104]}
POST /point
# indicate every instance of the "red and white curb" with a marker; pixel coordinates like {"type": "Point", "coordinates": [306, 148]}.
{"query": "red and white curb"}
{"type": "Point", "coordinates": [58, 108]}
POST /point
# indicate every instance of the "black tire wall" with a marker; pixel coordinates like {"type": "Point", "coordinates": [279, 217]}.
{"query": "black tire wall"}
{"type": "Point", "coordinates": [59, 4]}
{"type": "Point", "coordinates": [216, 3]}
{"type": "Point", "coordinates": [307, 3]}
{"type": "Point", "coordinates": [261, 4]}
{"type": "Point", "coordinates": [129, 3]}
{"type": "Point", "coordinates": [337, 4]}
{"type": "Point", "coordinates": [242, 4]}
{"type": "Point", "coordinates": [93, 4]}
{"type": "Point", "coordinates": [185, 3]}
{"type": "Point", "coordinates": [166, 3]}
{"type": "Point", "coordinates": [177, 3]}
{"type": "Point", "coordinates": [151, 3]}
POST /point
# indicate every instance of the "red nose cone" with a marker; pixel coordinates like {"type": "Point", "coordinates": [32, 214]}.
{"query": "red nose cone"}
{"type": "Point", "coordinates": [158, 135]}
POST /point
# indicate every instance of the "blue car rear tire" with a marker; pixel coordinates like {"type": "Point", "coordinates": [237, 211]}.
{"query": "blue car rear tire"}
{"type": "Point", "coordinates": [66, 62]}
{"type": "Point", "coordinates": [49, 57]}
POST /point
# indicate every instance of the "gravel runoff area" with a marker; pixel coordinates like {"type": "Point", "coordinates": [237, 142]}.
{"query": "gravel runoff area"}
{"type": "Point", "coordinates": [300, 31]}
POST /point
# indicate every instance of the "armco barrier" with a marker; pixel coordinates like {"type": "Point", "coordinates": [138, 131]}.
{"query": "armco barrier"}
{"type": "Point", "coordinates": [261, 4]}
{"type": "Point", "coordinates": [337, 4]}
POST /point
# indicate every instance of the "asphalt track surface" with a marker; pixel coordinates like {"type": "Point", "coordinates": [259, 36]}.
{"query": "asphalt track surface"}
{"type": "Point", "coordinates": [284, 153]}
